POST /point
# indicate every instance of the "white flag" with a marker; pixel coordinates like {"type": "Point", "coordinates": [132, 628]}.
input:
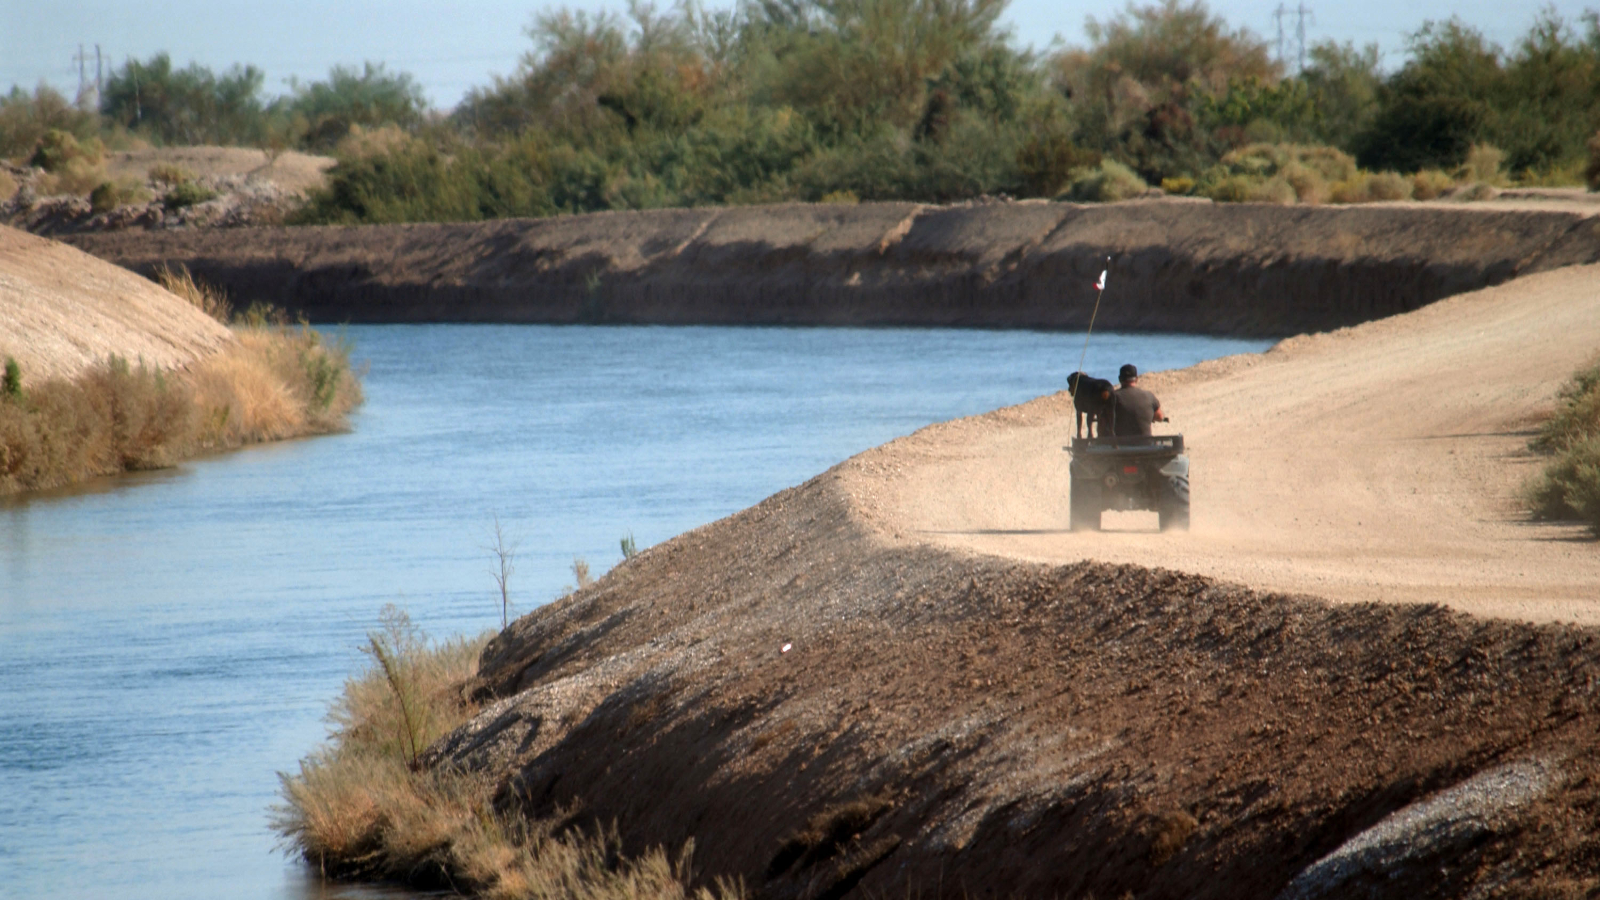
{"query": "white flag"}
{"type": "Point", "coordinates": [1101, 284]}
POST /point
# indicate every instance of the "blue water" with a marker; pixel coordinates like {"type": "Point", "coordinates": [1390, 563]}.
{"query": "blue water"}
{"type": "Point", "coordinates": [170, 640]}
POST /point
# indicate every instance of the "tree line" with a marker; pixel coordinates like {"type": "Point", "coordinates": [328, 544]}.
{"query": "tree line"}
{"type": "Point", "coordinates": [926, 100]}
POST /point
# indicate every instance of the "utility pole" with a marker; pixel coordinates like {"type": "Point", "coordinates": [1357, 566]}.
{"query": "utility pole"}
{"type": "Point", "coordinates": [99, 77]}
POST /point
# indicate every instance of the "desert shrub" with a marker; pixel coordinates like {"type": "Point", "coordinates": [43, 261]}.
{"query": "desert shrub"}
{"type": "Point", "coordinates": [1229, 188]}
{"type": "Point", "coordinates": [1180, 185]}
{"type": "Point", "coordinates": [1276, 189]}
{"type": "Point", "coordinates": [1368, 187]}
{"type": "Point", "coordinates": [1308, 183]}
{"type": "Point", "coordinates": [185, 194]}
{"type": "Point", "coordinates": [1107, 183]}
{"type": "Point", "coordinates": [1430, 183]}
{"type": "Point", "coordinates": [169, 174]}
{"type": "Point", "coordinates": [360, 806]}
{"type": "Point", "coordinates": [108, 195]}
{"type": "Point", "coordinates": [325, 112]}
{"type": "Point", "coordinates": [26, 118]}
{"type": "Point", "coordinates": [1046, 163]}
{"type": "Point", "coordinates": [71, 166]}
{"type": "Point", "coordinates": [104, 197]}
{"type": "Point", "coordinates": [211, 300]}
{"type": "Point", "coordinates": [1569, 486]}
{"type": "Point", "coordinates": [1591, 172]}
{"type": "Point", "coordinates": [1276, 173]}
{"type": "Point", "coordinates": [58, 148]}
{"type": "Point", "coordinates": [11, 384]}
{"type": "Point", "coordinates": [1484, 164]}
{"type": "Point", "coordinates": [8, 186]}
{"type": "Point", "coordinates": [1388, 186]}
{"type": "Point", "coordinates": [270, 383]}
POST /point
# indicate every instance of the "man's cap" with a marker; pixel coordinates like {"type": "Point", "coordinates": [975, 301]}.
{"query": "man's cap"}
{"type": "Point", "coordinates": [1128, 372]}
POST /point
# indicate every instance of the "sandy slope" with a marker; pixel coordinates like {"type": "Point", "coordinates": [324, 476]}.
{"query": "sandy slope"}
{"type": "Point", "coordinates": [1379, 462]}
{"type": "Point", "coordinates": [62, 310]}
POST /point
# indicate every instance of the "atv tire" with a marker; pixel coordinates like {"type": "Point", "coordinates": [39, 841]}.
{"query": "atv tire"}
{"type": "Point", "coordinates": [1174, 508]}
{"type": "Point", "coordinates": [1085, 504]}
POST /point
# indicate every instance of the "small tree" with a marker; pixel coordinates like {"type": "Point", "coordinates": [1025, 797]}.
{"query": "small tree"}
{"type": "Point", "coordinates": [505, 556]}
{"type": "Point", "coordinates": [11, 387]}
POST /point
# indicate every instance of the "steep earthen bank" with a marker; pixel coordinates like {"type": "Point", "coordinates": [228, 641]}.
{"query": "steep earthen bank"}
{"type": "Point", "coordinates": [946, 724]}
{"type": "Point", "coordinates": [1178, 266]}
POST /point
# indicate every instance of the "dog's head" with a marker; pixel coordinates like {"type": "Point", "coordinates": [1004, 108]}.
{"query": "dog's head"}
{"type": "Point", "coordinates": [1088, 392]}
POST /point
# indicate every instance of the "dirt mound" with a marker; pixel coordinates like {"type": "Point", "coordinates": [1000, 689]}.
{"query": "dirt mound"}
{"type": "Point", "coordinates": [62, 310]}
{"type": "Point", "coordinates": [229, 187]}
{"type": "Point", "coordinates": [1178, 266]}
{"type": "Point", "coordinates": [292, 171]}
{"type": "Point", "coordinates": [944, 724]}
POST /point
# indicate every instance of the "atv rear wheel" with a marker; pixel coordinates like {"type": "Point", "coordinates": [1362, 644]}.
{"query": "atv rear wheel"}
{"type": "Point", "coordinates": [1174, 507]}
{"type": "Point", "coordinates": [1085, 504]}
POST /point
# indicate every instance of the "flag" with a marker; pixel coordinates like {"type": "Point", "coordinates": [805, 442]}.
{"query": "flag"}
{"type": "Point", "coordinates": [1101, 284]}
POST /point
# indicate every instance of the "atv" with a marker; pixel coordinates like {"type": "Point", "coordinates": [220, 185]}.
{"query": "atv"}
{"type": "Point", "coordinates": [1129, 473]}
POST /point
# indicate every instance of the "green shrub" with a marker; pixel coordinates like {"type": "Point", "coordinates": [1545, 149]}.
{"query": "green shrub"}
{"type": "Point", "coordinates": [1569, 486]}
{"type": "Point", "coordinates": [1179, 185]}
{"type": "Point", "coordinates": [1388, 186]}
{"type": "Point", "coordinates": [11, 386]}
{"type": "Point", "coordinates": [108, 195]}
{"type": "Point", "coordinates": [1308, 183]}
{"type": "Point", "coordinates": [58, 148]}
{"type": "Point", "coordinates": [1430, 183]}
{"type": "Point", "coordinates": [1047, 163]}
{"type": "Point", "coordinates": [169, 174]}
{"type": "Point", "coordinates": [1107, 183]}
{"type": "Point", "coordinates": [185, 194]}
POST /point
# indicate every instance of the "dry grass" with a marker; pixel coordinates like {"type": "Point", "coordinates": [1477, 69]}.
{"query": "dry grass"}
{"type": "Point", "coordinates": [208, 299]}
{"type": "Point", "coordinates": [272, 383]}
{"type": "Point", "coordinates": [1569, 486]}
{"type": "Point", "coordinates": [360, 806]}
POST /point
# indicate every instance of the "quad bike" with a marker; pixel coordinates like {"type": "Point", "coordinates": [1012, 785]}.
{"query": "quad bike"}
{"type": "Point", "coordinates": [1129, 473]}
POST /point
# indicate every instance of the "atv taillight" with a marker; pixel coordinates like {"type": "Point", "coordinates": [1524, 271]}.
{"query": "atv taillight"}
{"type": "Point", "coordinates": [1130, 470]}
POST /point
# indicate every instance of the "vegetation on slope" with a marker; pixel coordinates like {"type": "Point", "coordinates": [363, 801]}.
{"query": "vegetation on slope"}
{"type": "Point", "coordinates": [1569, 486]}
{"type": "Point", "coordinates": [361, 806]}
{"type": "Point", "coordinates": [885, 99]}
{"type": "Point", "coordinates": [275, 381]}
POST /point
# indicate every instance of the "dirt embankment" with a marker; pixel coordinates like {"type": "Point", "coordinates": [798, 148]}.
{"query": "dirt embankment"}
{"type": "Point", "coordinates": [1030, 721]}
{"type": "Point", "coordinates": [1179, 266]}
{"type": "Point", "coordinates": [62, 311]}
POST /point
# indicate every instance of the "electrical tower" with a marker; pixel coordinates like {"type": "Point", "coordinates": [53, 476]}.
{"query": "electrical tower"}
{"type": "Point", "coordinates": [1302, 14]}
{"type": "Point", "coordinates": [85, 87]}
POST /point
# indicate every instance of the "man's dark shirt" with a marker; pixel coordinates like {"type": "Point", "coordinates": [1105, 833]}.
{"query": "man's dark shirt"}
{"type": "Point", "coordinates": [1133, 409]}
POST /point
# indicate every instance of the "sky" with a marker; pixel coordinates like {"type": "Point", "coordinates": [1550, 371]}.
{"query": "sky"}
{"type": "Point", "coordinates": [452, 47]}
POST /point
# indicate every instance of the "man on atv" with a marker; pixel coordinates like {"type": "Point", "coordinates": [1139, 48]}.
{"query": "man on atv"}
{"type": "Point", "coordinates": [1133, 408]}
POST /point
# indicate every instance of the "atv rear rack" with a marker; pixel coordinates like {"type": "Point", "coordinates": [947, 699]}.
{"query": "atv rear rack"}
{"type": "Point", "coordinates": [1142, 445]}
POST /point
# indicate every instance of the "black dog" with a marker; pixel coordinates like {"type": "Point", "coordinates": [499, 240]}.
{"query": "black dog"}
{"type": "Point", "coordinates": [1091, 397]}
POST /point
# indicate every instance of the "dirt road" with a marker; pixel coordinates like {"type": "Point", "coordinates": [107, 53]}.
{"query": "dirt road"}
{"type": "Point", "coordinates": [1380, 462]}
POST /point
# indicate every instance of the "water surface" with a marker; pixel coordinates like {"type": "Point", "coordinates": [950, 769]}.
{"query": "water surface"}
{"type": "Point", "coordinates": [169, 640]}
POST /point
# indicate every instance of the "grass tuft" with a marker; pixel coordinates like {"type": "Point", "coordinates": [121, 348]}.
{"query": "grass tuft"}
{"type": "Point", "coordinates": [1568, 488]}
{"type": "Point", "coordinates": [360, 806]}
{"type": "Point", "coordinates": [208, 299]}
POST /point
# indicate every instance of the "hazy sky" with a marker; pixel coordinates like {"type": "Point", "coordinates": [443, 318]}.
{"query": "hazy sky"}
{"type": "Point", "coordinates": [452, 47]}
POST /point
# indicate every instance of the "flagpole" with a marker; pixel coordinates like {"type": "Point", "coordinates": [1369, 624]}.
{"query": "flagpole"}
{"type": "Point", "coordinates": [1100, 290]}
